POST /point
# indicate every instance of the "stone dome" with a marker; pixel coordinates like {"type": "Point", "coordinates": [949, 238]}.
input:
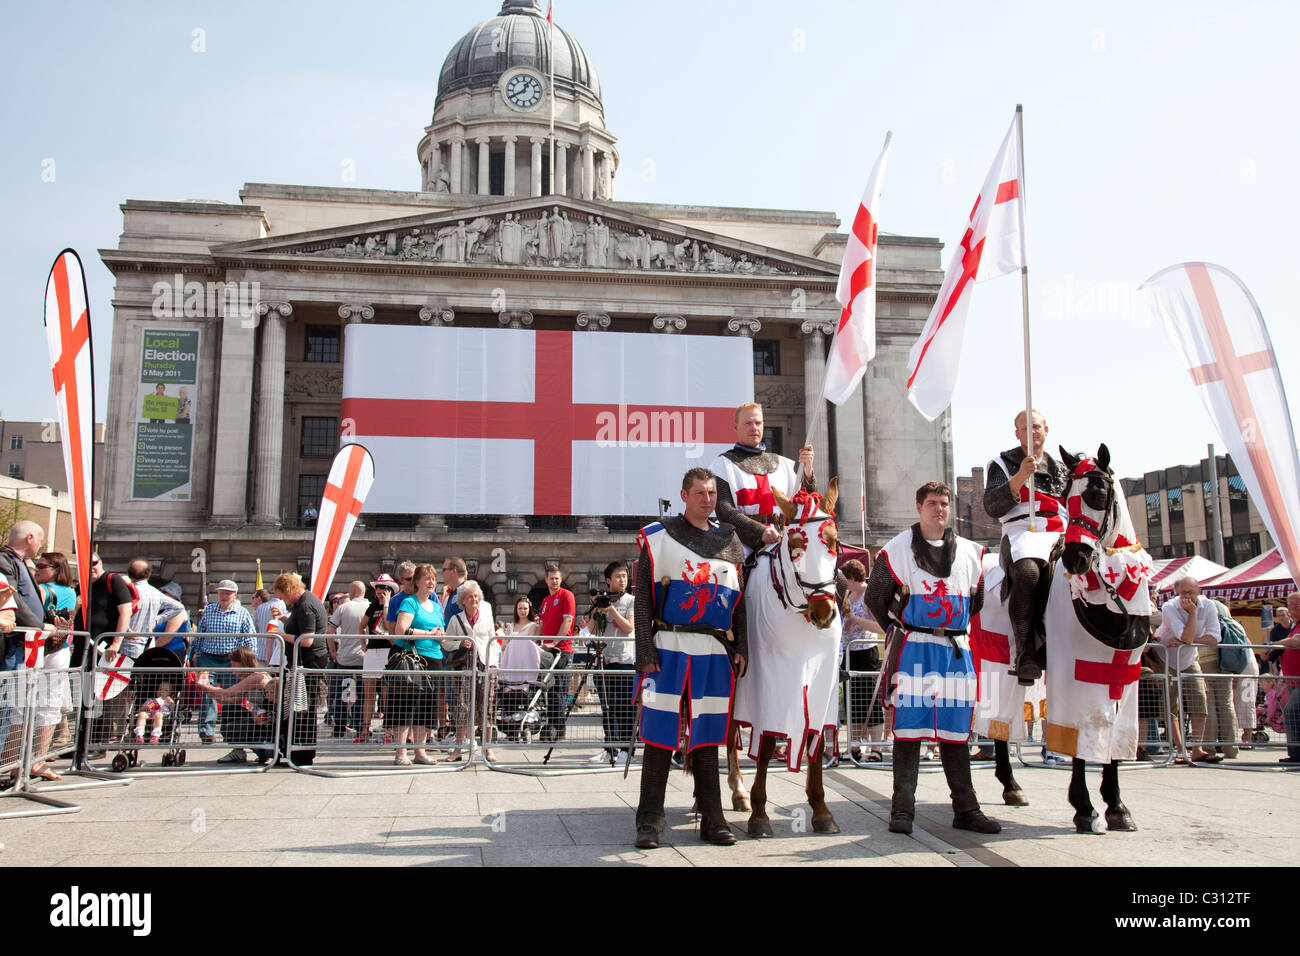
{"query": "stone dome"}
{"type": "Point", "coordinates": [517, 37]}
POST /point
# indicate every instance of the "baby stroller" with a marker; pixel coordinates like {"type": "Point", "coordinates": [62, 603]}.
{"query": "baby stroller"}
{"type": "Point", "coordinates": [146, 685]}
{"type": "Point", "coordinates": [521, 699]}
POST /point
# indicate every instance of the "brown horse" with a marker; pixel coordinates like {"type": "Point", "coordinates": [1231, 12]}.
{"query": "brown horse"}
{"type": "Point", "coordinates": [791, 680]}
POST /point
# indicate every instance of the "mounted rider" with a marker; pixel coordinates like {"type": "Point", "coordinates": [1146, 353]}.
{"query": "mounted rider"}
{"type": "Point", "coordinates": [747, 474]}
{"type": "Point", "coordinates": [1027, 555]}
{"type": "Point", "coordinates": [690, 647]}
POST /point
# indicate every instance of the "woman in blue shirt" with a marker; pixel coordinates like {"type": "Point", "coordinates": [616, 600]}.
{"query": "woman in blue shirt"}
{"type": "Point", "coordinates": [419, 619]}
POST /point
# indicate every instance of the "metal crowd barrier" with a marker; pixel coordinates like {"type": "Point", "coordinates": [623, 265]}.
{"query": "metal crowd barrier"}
{"type": "Point", "coordinates": [127, 701]}
{"type": "Point", "coordinates": [328, 735]}
{"type": "Point", "coordinates": [548, 721]}
{"type": "Point", "coordinates": [35, 706]}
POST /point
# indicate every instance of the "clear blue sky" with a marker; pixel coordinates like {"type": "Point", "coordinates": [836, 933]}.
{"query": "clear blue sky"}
{"type": "Point", "coordinates": [1154, 133]}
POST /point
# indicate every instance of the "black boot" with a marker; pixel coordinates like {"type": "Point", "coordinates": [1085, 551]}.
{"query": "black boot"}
{"type": "Point", "coordinates": [708, 795]}
{"type": "Point", "coordinates": [650, 820]}
{"type": "Point", "coordinates": [907, 765]}
{"type": "Point", "coordinates": [965, 805]}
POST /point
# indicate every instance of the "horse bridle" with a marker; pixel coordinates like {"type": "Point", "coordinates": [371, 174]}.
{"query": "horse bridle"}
{"type": "Point", "coordinates": [809, 590]}
{"type": "Point", "coordinates": [1110, 511]}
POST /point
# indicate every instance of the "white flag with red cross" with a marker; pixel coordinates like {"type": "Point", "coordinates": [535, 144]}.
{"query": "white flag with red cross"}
{"type": "Point", "coordinates": [854, 344]}
{"type": "Point", "coordinates": [67, 331]}
{"type": "Point", "coordinates": [349, 481]}
{"type": "Point", "coordinates": [1218, 330]}
{"type": "Point", "coordinates": [113, 680]}
{"type": "Point", "coordinates": [524, 422]}
{"type": "Point", "coordinates": [993, 245]}
{"type": "Point", "coordinates": [33, 649]}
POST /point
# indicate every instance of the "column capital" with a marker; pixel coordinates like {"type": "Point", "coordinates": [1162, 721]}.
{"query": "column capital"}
{"type": "Point", "coordinates": [483, 140]}
{"type": "Point", "coordinates": [537, 140]}
{"type": "Point", "coordinates": [511, 139]}
{"type": "Point", "coordinates": [437, 315]}
{"type": "Point", "coordinates": [592, 321]}
{"type": "Point", "coordinates": [744, 325]}
{"type": "Point", "coordinates": [812, 327]}
{"type": "Point", "coordinates": [282, 309]}
{"type": "Point", "coordinates": [354, 312]}
{"type": "Point", "coordinates": [515, 318]}
{"type": "Point", "coordinates": [668, 324]}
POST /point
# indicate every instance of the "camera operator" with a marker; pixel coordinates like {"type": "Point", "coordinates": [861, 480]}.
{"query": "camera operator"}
{"type": "Point", "coordinates": [611, 617]}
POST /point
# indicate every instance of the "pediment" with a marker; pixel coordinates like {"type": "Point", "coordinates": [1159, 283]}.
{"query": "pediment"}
{"type": "Point", "coordinates": [540, 232]}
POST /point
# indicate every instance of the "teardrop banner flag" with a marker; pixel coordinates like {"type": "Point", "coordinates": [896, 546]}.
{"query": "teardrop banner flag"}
{"type": "Point", "coordinates": [1217, 328]}
{"type": "Point", "coordinates": [67, 330]}
{"type": "Point", "coordinates": [349, 481]}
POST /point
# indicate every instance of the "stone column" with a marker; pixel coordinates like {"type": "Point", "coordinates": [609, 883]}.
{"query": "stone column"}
{"type": "Point", "coordinates": [588, 173]}
{"type": "Point", "coordinates": [537, 164]}
{"type": "Point", "coordinates": [233, 422]}
{"type": "Point", "coordinates": [457, 150]}
{"type": "Point", "coordinates": [592, 321]}
{"type": "Point", "coordinates": [270, 414]}
{"type": "Point", "coordinates": [850, 435]}
{"type": "Point", "coordinates": [510, 165]}
{"type": "Point", "coordinates": [484, 176]}
{"type": "Point", "coordinates": [437, 315]}
{"type": "Point", "coordinates": [744, 325]}
{"type": "Point", "coordinates": [561, 172]}
{"type": "Point", "coordinates": [605, 177]}
{"type": "Point", "coordinates": [435, 165]}
{"type": "Point", "coordinates": [814, 371]}
{"type": "Point", "coordinates": [668, 324]}
{"type": "Point", "coordinates": [515, 318]}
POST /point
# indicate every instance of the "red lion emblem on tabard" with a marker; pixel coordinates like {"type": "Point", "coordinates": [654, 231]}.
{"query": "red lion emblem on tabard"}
{"type": "Point", "coordinates": [939, 595]}
{"type": "Point", "coordinates": [704, 588]}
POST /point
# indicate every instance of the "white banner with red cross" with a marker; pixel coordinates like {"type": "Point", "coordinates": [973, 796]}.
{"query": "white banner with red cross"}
{"type": "Point", "coordinates": [67, 331]}
{"type": "Point", "coordinates": [113, 680]}
{"type": "Point", "coordinates": [346, 488]}
{"type": "Point", "coordinates": [1217, 328]}
{"type": "Point", "coordinates": [516, 421]}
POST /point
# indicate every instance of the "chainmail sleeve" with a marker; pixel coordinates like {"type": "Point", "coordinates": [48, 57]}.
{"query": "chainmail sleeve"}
{"type": "Point", "coordinates": [880, 590]}
{"type": "Point", "coordinates": [977, 601]}
{"type": "Point", "coordinates": [643, 613]}
{"type": "Point", "coordinates": [998, 498]}
{"type": "Point", "coordinates": [748, 530]}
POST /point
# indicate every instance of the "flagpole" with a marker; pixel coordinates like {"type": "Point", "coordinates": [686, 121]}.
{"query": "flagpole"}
{"type": "Point", "coordinates": [550, 41]}
{"type": "Point", "coordinates": [862, 476]}
{"type": "Point", "coordinates": [1024, 305]}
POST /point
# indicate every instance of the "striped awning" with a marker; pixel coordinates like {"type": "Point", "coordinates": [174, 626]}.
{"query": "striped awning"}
{"type": "Point", "coordinates": [1255, 580]}
{"type": "Point", "coordinates": [1165, 573]}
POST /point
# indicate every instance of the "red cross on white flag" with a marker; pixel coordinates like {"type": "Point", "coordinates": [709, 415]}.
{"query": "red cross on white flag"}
{"type": "Point", "coordinates": [67, 330]}
{"type": "Point", "coordinates": [33, 649]}
{"type": "Point", "coordinates": [1217, 328]}
{"type": "Point", "coordinates": [349, 481]}
{"type": "Point", "coordinates": [111, 682]}
{"type": "Point", "coordinates": [854, 344]}
{"type": "Point", "coordinates": [993, 245]}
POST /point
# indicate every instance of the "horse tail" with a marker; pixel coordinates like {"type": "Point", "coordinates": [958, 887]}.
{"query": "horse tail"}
{"type": "Point", "coordinates": [688, 763]}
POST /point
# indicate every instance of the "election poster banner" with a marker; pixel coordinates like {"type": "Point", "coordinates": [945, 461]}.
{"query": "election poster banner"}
{"type": "Point", "coordinates": [165, 405]}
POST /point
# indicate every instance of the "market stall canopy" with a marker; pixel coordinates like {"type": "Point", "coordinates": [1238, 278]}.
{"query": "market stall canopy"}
{"type": "Point", "coordinates": [1164, 573]}
{"type": "Point", "coordinates": [1255, 580]}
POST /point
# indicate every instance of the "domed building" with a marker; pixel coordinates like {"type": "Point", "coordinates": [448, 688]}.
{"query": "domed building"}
{"type": "Point", "coordinates": [267, 315]}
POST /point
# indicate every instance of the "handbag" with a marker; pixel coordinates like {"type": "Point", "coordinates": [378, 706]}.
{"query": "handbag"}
{"type": "Point", "coordinates": [405, 672]}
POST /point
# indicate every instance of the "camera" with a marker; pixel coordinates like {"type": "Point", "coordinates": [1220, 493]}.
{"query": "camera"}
{"type": "Point", "coordinates": [600, 599]}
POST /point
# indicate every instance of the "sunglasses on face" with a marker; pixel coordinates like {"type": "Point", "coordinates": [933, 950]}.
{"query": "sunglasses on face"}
{"type": "Point", "coordinates": [42, 567]}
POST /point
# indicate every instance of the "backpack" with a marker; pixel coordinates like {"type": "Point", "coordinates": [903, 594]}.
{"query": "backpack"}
{"type": "Point", "coordinates": [135, 594]}
{"type": "Point", "coordinates": [1233, 652]}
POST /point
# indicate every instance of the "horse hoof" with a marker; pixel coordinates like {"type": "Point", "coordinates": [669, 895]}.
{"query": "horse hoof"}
{"type": "Point", "coordinates": [1088, 823]}
{"type": "Point", "coordinates": [1118, 818]}
{"type": "Point", "coordinates": [1014, 797]}
{"type": "Point", "coordinates": [825, 825]}
{"type": "Point", "coordinates": [760, 828]}
{"type": "Point", "coordinates": [740, 801]}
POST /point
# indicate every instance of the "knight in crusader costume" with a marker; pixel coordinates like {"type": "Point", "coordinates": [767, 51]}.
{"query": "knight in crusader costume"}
{"type": "Point", "coordinates": [1027, 555]}
{"type": "Point", "coordinates": [690, 646]}
{"type": "Point", "coordinates": [928, 582]}
{"type": "Point", "coordinates": [747, 474]}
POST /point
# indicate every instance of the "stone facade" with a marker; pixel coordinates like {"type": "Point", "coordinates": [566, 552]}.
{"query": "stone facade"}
{"type": "Point", "coordinates": [564, 257]}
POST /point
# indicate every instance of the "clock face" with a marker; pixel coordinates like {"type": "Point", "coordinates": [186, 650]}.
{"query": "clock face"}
{"type": "Point", "coordinates": [524, 91]}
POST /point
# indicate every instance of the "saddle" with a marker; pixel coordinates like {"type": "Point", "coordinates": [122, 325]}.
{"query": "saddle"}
{"type": "Point", "coordinates": [1119, 631]}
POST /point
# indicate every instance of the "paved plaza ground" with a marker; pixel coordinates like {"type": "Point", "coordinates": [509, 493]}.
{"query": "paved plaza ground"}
{"type": "Point", "coordinates": [1199, 816]}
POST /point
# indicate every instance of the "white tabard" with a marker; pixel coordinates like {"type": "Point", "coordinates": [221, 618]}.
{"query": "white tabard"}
{"type": "Point", "coordinates": [1003, 708]}
{"type": "Point", "coordinates": [1051, 521]}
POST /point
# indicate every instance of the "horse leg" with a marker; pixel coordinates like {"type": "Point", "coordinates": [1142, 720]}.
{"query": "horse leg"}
{"type": "Point", "coordinates": [759, 824]}
{"type": "Point", "coordinates": [1012, 795]}
{"type": "Point", "coordinates": [735, 782]}
{"type": "Point", "coordinates": [1085, 817]}
{"type": "Point", "coordinates": [1117, 815]}
{"type": "Point", "coordinates": [822, 820]}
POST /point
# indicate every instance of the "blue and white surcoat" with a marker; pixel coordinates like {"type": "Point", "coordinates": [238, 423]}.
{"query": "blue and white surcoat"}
{"type": "Point", "coordinates": [702, 594]}
{"type": "Point", "coordinates": [933, 696]}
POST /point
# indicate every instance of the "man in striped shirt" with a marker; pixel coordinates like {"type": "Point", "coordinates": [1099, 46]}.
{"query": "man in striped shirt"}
{"type": "Point", "coordinates": [224, 626]}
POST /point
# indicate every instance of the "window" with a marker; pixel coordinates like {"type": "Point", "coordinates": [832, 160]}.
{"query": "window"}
{"type": "Point", "coordinates": [1175, 496]}
{"type": "Point", "coordinates": [320, 437]}
{"type": "Point", "coordinates": [322, 343]}
{"type": "Point", "coordinates": [767, 357]}
{"type": "Point", "coordinates": [310, 489]}
{"type": "Point", "coordinates": [772, 440]}
{"type": "Point", "coordinates": [15, 469]}
{"type": "Point", "coordinates": [1153, 515]}
{"type": "Point", "coordinates": [16, 443]}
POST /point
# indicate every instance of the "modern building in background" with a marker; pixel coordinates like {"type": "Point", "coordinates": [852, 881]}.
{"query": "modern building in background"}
{"type": "Point", "coordinates": [32, 452]}
{"type": "Point", "coordinates": [223, 421]}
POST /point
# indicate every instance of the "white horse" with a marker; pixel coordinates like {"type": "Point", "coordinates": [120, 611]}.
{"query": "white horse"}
{"type": "Point", "coordinates": [1098, 620]}
{"type": "Point", "coordinates": [790, 685]}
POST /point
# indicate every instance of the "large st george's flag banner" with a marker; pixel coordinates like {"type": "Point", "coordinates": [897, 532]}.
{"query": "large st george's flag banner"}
{"type": "Point", "coordinates": [517, 421]}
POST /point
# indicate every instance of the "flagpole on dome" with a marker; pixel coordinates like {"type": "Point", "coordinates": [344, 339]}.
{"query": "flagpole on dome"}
{"type": "Point", "coordinates": [1024, 305]}
{"type": "Point", "coordinates": [550, 55]}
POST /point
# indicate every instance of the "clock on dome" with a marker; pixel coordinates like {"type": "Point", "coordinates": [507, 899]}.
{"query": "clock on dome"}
{"type": "Point", "coordinates": [523, 90]}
